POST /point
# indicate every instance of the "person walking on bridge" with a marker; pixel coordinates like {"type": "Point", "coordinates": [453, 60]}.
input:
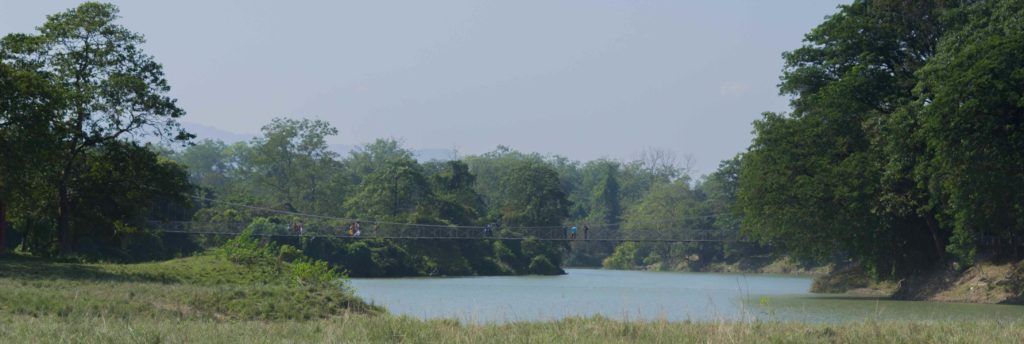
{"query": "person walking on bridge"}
{"type": "Point", "coordinates": [572, 233]}
{"type": "Point", "coordinates": [586, 231]}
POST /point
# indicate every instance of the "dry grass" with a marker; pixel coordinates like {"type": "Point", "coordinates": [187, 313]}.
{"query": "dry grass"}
{"type": "Point", "coordinates": [391, 329]}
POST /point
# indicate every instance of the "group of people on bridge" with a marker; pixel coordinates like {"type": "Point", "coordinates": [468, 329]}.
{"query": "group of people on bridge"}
{"type": "Point", "coordinates": [567, 231]}
{"type": "Point", "coordinates": [355, 229]}
{"type": "Point", "coordinates": [570, 232]}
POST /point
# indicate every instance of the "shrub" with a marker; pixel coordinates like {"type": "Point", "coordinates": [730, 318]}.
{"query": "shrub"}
{"type": "Point", "coordinates": [289, 253]}
{"type": "Point", "coordinates": [624, 257]}
{"type": "Point", "coordinates": [316, 274]}
{"type": "Point", "coordinates": [246, 250]}
{"type": "Point", "coordinates": [262, 225]}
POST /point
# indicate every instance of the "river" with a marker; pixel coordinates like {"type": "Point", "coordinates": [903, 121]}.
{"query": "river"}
{"type": "Point", "coordinates": [647, 295]}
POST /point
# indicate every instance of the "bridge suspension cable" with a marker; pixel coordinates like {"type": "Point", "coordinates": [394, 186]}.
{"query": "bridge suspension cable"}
{"type": "Point", "coordinates": [413, 231]}
{"type": "Point", "coordinates": [326, 217]}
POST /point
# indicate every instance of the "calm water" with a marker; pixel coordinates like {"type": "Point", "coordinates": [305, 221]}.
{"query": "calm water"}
{"type": "Point", "coordinates": [647, 295]}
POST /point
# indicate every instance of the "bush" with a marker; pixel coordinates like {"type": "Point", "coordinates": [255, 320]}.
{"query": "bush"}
{"type": "Point", "coordinates": [625, 256]}
{"type": "Point", "coordinates": [288, 253]}
{"type": "Point", "coordinates": [262, 225]}
{"type": "Point", "coordinates": [315, 274]}
{"type": "Point", "coordinates": [246, 250]}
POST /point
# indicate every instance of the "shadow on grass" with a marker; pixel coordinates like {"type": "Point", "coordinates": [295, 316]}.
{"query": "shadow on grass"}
{"type": "Point", "coordinates": [27, 268]}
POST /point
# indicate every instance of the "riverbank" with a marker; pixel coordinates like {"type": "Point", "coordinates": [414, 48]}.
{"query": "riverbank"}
{"type": "Point", "coordinates": [749, 265]}
{"type": "Point", "coordinates": [208, 298]}
{"type": "Point", "coordinates": [984, 282]}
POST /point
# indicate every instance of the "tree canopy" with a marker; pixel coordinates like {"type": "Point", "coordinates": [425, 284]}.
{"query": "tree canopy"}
{"type": "Point", "coordinates": [903, 142]}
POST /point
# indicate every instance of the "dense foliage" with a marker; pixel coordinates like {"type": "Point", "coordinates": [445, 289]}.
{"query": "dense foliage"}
{"type": "Point", "coordinates": [77, 96]}
{"type": "Point", "coordinates": [904, 141]}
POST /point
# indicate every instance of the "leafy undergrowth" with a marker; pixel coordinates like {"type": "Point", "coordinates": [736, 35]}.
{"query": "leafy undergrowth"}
{"type": "Point", "coordinates": [211, 286]}
{"type": "Point", "coordinates": [391, 329]}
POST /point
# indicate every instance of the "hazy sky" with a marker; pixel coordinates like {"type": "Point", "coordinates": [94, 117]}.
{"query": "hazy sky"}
{"type": "Point", "coordinates": [584, 78]}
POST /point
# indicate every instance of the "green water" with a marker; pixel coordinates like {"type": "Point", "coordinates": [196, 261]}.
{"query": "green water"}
{"type": "Point", "coordinates": [651, 296]}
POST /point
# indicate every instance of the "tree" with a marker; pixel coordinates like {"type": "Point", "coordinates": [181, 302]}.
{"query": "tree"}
{"type": "Point", "coordinates": [208, 163]}
{"type": "Point", "coordinates": [122, 187]}
{"type": "Point", "coordinates": [368, 158]}
{"type": "Point", "coordinates": [821, 181]}
{"type": "Point", "coordinates": [458, 201]}
{"type": "Point", "coordinates": [112, 90]}
{"type": "Point", "coordinates": [970, 115]}
{"type": "Point", "coordinates": [491, 169]}
{"type": "Point", "coordinates": [534, 196]}
{"type": "Point", "coordinates": [28, 99]}
{"type": "Point", "coordinates": [661, 163]}
{"type": "Point", "coordinates": [291, 164]}
{"type": "Point", "coordinates": [395, 191]}
{"type": "Point", "coordinates": [720, 190]}
{"type": "Point", "coordinates": [667, 209]}
{"type": "Point", "coordinates": [606, 202]}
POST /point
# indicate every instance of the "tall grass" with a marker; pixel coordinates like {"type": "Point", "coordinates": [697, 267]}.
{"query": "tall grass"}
{"type": "Point", "coordinates": [392, 329]}
{"type": "Point", "coordinates": [200, 288]}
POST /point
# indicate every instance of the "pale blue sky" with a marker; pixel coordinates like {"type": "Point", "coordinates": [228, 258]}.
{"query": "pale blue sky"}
{"type": "Point", "coordinates": [583, 79]}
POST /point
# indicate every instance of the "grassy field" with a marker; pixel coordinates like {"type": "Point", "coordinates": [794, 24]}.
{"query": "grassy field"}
{"type": "Point", "coordinates": [209, 299]}
{"type": "Point", "coordinates": [391, 329]}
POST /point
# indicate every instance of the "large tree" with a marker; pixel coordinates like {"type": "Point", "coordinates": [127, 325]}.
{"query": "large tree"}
{"type": "Point", "coordinates": [533, 196]}
{"type": "Point", "coordinates": [112, 91]}
{"type": "Point", "coordinates": [292, 165]}
{"type": "Point", "coordinates": [823, 180]}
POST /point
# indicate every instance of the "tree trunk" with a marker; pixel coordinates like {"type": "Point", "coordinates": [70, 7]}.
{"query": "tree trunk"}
{"type": "Point", "coordinates": [64, 234]}
{"type": "Point", "coordinates": [933, 227]}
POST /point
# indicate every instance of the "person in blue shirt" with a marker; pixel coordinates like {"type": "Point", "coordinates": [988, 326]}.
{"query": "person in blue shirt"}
{"type": "Point", "coordinates": [572, 233]}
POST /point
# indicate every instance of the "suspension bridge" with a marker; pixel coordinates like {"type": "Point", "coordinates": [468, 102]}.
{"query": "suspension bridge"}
{"type": "Point", "coordinates": [441, 232]}
{"type": "Point", "coordinates": [320, 226]}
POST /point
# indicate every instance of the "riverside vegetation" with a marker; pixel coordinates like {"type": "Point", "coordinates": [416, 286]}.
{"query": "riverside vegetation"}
{"type": "Point", "coordinates": [260, 292]}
